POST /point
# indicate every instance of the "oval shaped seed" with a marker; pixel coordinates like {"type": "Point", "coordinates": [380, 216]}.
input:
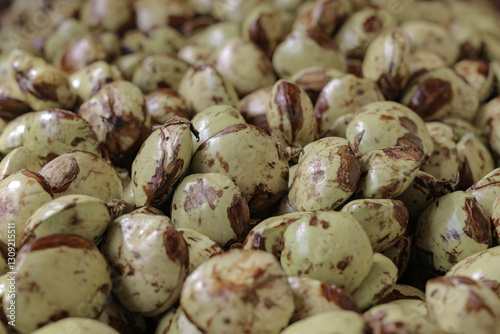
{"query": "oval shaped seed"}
{"type": "Point", "coordinates": [118, 115]}
{"type": "Point", "coordinates": [475, 160]}
{"type": "Point", "coordinates": [324, 16]}
{"type": "Point", "coordinates": [388, 172]}
{"type": "Point", "coordinates": [159, 71]}
{"type": "Point", "coordinates": [341, 96]}
{"type": "Point", "coordinates": [223, 152]}
{"type": "Point", "coordinates": [444, 161]}
{"type": "Point", "coordinates": [84, 173]}
{"type": "Point", "coordinates": [257, 72]}
{"type": "Point", "coordinates": [331, 247]}
{"type": "Point", "coordinates": [480, 267]}
{"type": "Point", "coordinates": [203, 86]}
{"type": "Point", "coordinates": [12, 135]}
{"type": "Point", "coordinates": [461, 305]}
{"type": "Point", "coordinates": [486, 190]}
{"type": "Point", "coordinates": [53, 132]}
{"type": "Point", "coordinates": [314, 79]}
{"type": "Point", "coordinates": [380, 125]}
{"type": "Point", "coordinates": [90, 79]}
{"type": "Point", "coordinates": [356, 34]}
{"type": "Point", "coordinates": [161, 162]}
{"type": "Point", "coordinates": [149, 259]}
{"type": "Point", "coordinates": [432, 36]}
{"type": "Point", "coordinates": [82, 288]}
{"type": "Point", "coordinates": [386, 62]}
{"type": "Point", "coordinates": [327, 175]}
{"type": "Point", "coordinates": [451, 229]}
{"type": "Point", "coordinates": [291, 116]}
{"type": "Point", "coordinates": [163, 104]}
{"type": "Point", "coordinates": [440, 94]}
{"type": "Point", "coordinates": [212, 205]}
{"type": "Point", "coordinates": [81, 215]}
{"type": "Point", "coordinates": [80, 52]}
{"type": "Point", "coordinates": [212, 120]}
{"type": "Point", "coordinates": [406, 315]}
{"type": "Point", "coordinates": [21, 194]}
{"type": "Point", "coordinates": [477, 73]}
{"type": "Point", "coordinates": [257, 284]}
{"type": "Point", "coordinates": [43, 85]}
{"type": "Point", "coordinates": [264, 26]}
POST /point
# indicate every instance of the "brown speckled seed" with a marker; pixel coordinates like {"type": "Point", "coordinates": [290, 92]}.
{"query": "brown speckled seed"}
{"type": "Point", "coordinates": [201, 247]}
{"type": "Point", "coordinates": [324, 16]}
{"type": "Point", "coordinates": [253, 107]}
{"type": "Point", "coordinates": [461, 305]}
{"type": "Point", "coordinates": [268, 234]}
{"type": "Point", "coordinates": [202, 86]}
{"type": "Point", "coordinates": [21, 194]}
{"type": "Point", "coordinates": [477, 73]}
{"type": "Point", "coordinates": [81, 172]}
{"type": "Point", "coordinates": [149, 261]}
{"type": "Point", "coordinates": [223, 153]}
{"type": "Point", "coordinates": [439, 94]}
{"type": "Point", "coordinates": [444, 162]}
{"type": "Point", "coordinates": [331, 247]}
{"type": "Point", "coordinates": [163, 104]}
{"type": "Point", "coordinates": [82, 287]}
{"type": "Point", "coordinates": [244, 65]}
{"type": "Point", "coordinates": [264, 26]}
{"type": "Point", "coordinates": [377, 284]}
{"type": "Point", "coordinates": [481, 267]}
{"type": "Point", "coordinates": [486, 190]}
{"type": "Point", "coordinates": [450, 229]}
{"type": "Point", "coordinates": [384, 220]}
{"type": "Point", "coordinates": [343, 95]}
{"type": "Point", "coordinates": [386, 173]}
{"type": "Point", "coordinates": [291, 116]}
{"type": "Point", "coordinates": [313, 79]}
{"type": "Point", "coordinates": [425, 35]}
{"type": "Point", "coordinates": [386, 62]}
{"type": "Point", "coordinates": [475, 160]}
{"type": "Point", "coordinates": [239, 291]}
{"type": "Point", "coordinates": [213, 205]}
{"type": "Point", "coordinates": [380, 125]}
{"type": "Point", "coordinates": [55, 131]}
{"type": "Point", "coordinates": [161, 162]}
{"type": "Point", "coordinates": [356, 34]}
{"type": "Point", "coordinates": [327, 175]}
{"type": "Point", "coordinates": [80, 52]}
{"type": "Point", "coordinates": [118, 115]}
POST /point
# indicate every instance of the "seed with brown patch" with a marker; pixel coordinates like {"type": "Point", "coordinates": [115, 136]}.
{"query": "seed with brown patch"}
{"type": "Point", "coordinates": [213, 205]}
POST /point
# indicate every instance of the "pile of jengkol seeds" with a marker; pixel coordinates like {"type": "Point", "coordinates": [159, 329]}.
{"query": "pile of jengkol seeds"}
{"type": "Point", "coordinates": [250, 166]}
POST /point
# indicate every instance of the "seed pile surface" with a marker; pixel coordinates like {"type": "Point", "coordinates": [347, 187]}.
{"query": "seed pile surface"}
{"type": "Point", "coordinates": [249, 167]}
